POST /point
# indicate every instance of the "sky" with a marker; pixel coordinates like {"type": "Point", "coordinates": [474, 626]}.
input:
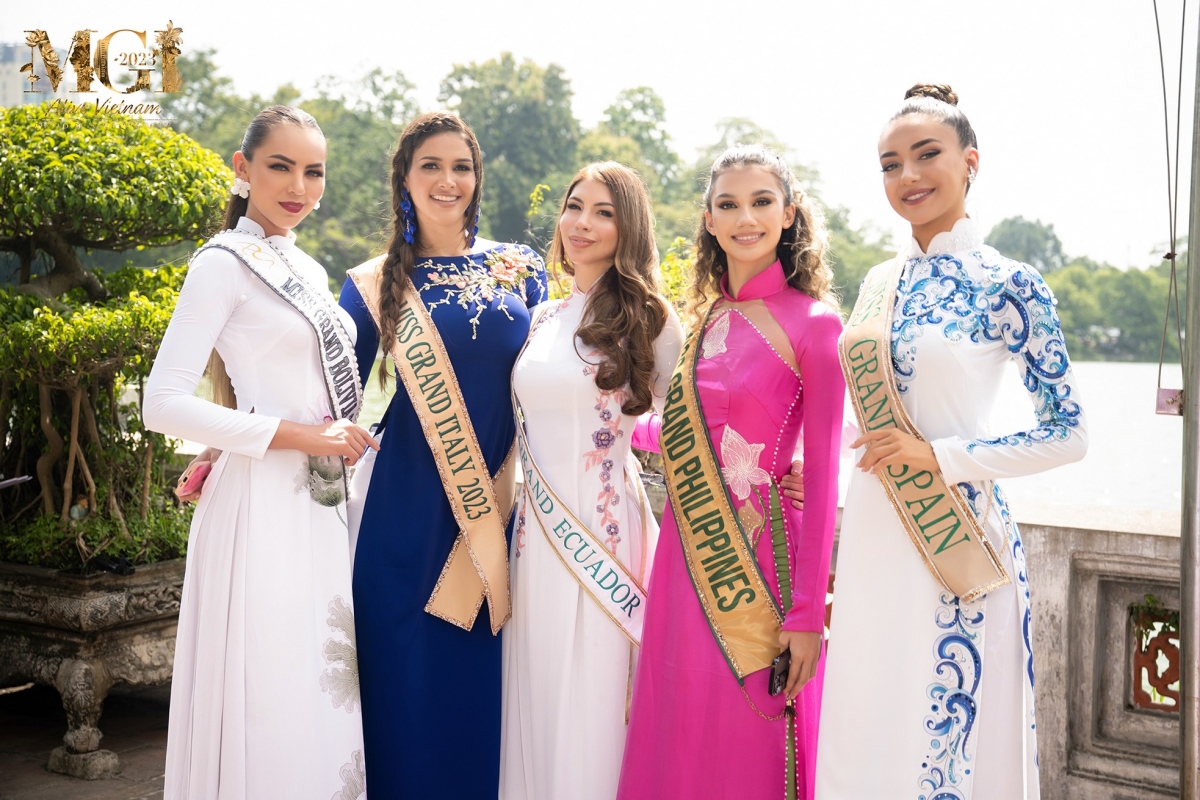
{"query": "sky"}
{"type": "Point", "coordinates": [1066, 98]}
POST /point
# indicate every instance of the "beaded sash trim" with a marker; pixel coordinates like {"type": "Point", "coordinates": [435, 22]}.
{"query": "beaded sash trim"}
{"type": "Point", "coordinates": [936, 516]}
{"type": "Point", "coordinates": [740, 609]}
{"type": "Point", "coordinates": [477, 567]}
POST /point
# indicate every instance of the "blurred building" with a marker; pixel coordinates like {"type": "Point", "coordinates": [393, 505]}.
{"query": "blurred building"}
{"type": "Point", "coordinates": [14, 84]}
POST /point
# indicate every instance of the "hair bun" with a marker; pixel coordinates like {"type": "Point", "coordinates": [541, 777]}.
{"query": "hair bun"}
{"type": "Point", "coordinates": [938, 91]}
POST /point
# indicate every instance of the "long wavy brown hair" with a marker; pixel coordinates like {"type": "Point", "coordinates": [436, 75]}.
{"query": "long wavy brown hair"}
{"type": "Point", "coordinates": [625, 312]}
{"type": "Point", "coordinates": [401, 256]}
{"type": "Point", "coordinates": [802, 249]}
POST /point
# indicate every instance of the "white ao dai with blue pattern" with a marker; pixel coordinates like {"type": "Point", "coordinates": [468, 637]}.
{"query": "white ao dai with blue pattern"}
{"type": "Point", "coordinates": [927, 697]}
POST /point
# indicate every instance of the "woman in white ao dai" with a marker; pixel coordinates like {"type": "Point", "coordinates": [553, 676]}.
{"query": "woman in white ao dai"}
{"type": "Point", "coordinates": [567, 666]}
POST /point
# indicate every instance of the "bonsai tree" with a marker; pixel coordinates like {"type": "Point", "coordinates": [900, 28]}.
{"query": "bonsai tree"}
{"type": "Point", "coordinates": [76, 346]}
{"type": "Point", "coordinates": [96, 179]}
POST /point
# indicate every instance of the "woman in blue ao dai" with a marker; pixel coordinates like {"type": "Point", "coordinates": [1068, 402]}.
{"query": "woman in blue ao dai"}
{"type": "Point", "coordinates": [430, 689]}
{"type": "Point", "coordinates": [934, 693]}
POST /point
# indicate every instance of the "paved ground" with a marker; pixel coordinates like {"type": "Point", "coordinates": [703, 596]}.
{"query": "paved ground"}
{"type": "Point", "coordinates": [134, 724]}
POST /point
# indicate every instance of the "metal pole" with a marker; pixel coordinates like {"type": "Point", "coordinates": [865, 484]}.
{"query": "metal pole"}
{"type": "Point", "coordinates": [1189, 562]}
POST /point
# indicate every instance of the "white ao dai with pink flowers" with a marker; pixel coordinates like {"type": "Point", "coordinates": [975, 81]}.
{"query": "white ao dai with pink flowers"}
{"type": "Point", "coordinates": [567, 666]}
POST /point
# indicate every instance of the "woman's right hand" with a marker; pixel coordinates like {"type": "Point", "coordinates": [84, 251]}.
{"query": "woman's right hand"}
{"type": "Point", "coordinates": [792, 484]}
{"type": "Point", "coordinates": [338, 438]}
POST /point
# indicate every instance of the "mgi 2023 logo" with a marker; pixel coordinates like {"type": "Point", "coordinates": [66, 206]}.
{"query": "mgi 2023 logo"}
{"type": "Point", "coordinates": [124, 52]}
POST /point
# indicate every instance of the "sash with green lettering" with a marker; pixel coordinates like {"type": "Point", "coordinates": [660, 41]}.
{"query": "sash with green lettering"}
{"type": "Point", "coordinates": [477, 567]}
{"type": "Point", "coordinates": [338, 364]}
{"type": "Point", "coordinates": [598, 571]}
{"type": "Point", "coordinates": [740, 609]}
{"type": "Point", "coordinates": [936, 516]}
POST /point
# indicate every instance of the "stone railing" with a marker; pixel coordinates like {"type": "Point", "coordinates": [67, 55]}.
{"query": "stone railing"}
{"type": "Point", "coordinates": [1107, 710]}
{"type": "Point", "coordinates": [1107, 694]}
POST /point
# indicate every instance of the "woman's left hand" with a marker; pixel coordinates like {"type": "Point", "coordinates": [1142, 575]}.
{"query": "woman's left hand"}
{"type": "Point", "coordinates": [885, 448]}
{"type": "Point", "coordinates": [805, 647]}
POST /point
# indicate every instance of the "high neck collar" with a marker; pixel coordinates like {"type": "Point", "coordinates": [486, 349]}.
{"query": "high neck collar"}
{"type": "Point", "coordinates": [577, 292]}
{"type": "Point", "coordinates": [250, 226]}
{"type": "Point", "coordinates": [768, 282]}
{"type": "Point", "coordinates": [965, 235]}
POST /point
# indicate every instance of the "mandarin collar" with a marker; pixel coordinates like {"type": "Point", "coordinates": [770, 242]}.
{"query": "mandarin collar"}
{"type": "Point", "coordinates": [250, 226]}
{"type": "Point", "coordinates": [577, 292]}
{"type": "Point", "coordinates": [768, 282]}
{"type": "Point", "coordinates": [965, 235]}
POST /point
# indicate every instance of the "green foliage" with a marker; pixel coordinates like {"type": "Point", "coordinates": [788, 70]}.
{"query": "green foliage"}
{"type": "Point", "coordinates": [853, 252]}
{"type": "Point", "coordinates": [1034, 243]}
{"type": "Point", "coordinates": [101, 179]}
{"type": "Point", "coordinates": [362, 121]}
{"type": "Point", "coordinates": [639, 115]}
{"type": "Point", "coordinates": [97, 354]}
{"type": "Point", "coordinates": [1111, 314]}
{"type": "Point", "coordinates": [207, 109]}
{"type": "Point", "coordinates": [739, 130]}
{"type": "Point", "coordinates": [45, 543]}
{"type": "Point", "coordinates": [521, 114]}
{"type": "Point", "coordinates": [676, 272]}
{"type": "Point", "coordinates": [1151, 618]}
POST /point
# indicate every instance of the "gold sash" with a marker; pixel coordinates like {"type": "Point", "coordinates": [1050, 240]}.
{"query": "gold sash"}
{"type": "Point", "coordinates": [938, 520]}
{"type": "Point", "coordinates": [741, 611]}
{"type": "Point", "coordinates": [477, 567]}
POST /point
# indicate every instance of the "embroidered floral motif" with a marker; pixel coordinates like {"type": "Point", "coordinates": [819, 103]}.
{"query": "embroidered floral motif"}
{"type": "Point", "coordinates": [354, 778]}
{"type": "Point", "coordinates": [740, 463]}
{"type": "Point", "coordinates": [750, 517]}
{"type": "Point", "coordinates": [604, 438]}
{"type": "Point", "coordinates": [714, 338]}
{"type": "Point", "coordinates": [321, 477]}
{"type": "Point", "coordinates": [473, 286]}
{"type": "Point", "coordinates": [957, 672]}
{"type": "Point", "coordinates": [521, 527]}
{"type": "Point", "coordinates": [1021, 573]}
{"type": "Point", "coordinates": [989, 299]}
{"type": "Point", "coordinates": [341, 653]}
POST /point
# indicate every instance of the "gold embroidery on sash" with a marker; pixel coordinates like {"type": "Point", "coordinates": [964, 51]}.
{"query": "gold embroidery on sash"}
{"type": "Point", "coordinates": [936, 516]}
{"type": "Point", "coordinates": [739, 606]}
{"type": "Point", "coordinates": [477, 566]}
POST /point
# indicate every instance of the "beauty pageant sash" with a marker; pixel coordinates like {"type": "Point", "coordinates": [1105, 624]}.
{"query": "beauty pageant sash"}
{"type": "Point", "coordinates": [477, 567]}
{"type": "Point", "coordinates": [338, 364]}
{"type": "Point", "coordinates": [936, 516]}
{"type": "Point", "coordinates": [598, 571]}
{"type": "Point", "coordinates": [736, 600]}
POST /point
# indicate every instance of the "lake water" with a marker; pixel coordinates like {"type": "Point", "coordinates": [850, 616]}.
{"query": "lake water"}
{"type": "Point", "coordinates": [1130, 446]}
{"type": "Point", "coordinates": [1135, 457]}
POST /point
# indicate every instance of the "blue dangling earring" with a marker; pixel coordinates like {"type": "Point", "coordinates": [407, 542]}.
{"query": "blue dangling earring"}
{"type": "Point", "coordinates": [475, 227]}
{"type": "Point", "coordinates": [408, 217]}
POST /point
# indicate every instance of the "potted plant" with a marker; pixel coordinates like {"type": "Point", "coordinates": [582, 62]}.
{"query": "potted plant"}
{"type": "Point", "coordinates": [91, 544]}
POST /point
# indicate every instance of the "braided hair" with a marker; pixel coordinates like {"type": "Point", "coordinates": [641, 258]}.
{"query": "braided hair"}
{"type": "Point", "coordinates": [401, 256]}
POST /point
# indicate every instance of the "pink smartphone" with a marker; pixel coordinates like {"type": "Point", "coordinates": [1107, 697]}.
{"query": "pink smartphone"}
{"type": "Point", "coordinates": [192, 480]}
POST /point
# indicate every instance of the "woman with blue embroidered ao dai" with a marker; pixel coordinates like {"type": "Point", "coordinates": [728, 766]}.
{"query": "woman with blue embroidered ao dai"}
{"type": "Point", "coordinates": [933, 692]}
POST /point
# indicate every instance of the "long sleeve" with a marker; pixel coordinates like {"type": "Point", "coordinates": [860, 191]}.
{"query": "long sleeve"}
{"type": "Point", "coordinates": [645, 433]}
{"type": "Point", "coordinates": [810, 551]}
{"type": "Point", "coordinates": [666, 356]}
{"type": "Point", "coordinates": [210, 295]}
{"type": "Point", "coordinates": [367, 344]}
{"type": "Point", "coordinates": [535, 285]}
{"type": "Point", "coordinates": [1022, 316]}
